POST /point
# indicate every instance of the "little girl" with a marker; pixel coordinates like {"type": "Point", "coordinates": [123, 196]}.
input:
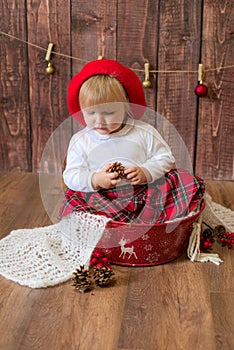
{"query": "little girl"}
{"type": "Point", "coordinates": [108, 99]}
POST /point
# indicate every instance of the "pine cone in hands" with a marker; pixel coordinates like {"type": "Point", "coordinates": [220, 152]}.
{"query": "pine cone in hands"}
{"type": "Point", "coordinates": [119, 168]}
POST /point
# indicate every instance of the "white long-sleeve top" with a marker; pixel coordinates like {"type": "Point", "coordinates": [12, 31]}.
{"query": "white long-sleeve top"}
{"type": "Point", "coordinates": [137, 143]}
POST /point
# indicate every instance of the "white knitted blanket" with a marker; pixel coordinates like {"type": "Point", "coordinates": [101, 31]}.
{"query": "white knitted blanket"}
{"type": "Point", "coordinates": [215, 214]}
{"type": "Point", "coordinates": [46, 256]}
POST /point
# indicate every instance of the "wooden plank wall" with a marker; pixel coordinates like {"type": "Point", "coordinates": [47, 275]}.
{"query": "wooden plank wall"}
{"type": "Point", "coordinates": [170, 35]}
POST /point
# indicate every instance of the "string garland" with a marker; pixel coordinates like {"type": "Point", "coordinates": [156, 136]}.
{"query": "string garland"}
{"type": "Point", "coordinates": [135, 69]}
{"type": "Point", "coordinates": [42, 48]}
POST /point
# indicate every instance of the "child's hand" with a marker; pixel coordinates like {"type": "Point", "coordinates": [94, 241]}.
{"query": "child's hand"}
{"type": "Point", "coordinates": [105, 179]}
{"type": "Point", "coordinates": [137, 176]}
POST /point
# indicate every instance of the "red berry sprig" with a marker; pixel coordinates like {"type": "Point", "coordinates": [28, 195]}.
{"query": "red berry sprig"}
{"type": "Point", "coordinates": [99, 260]}
{"type": "Point", "coordinates": [219, 233]}
{"type": "Point", "coordinates": [227, 239]}
{"type": "Point", "coordinates": [206, 240]}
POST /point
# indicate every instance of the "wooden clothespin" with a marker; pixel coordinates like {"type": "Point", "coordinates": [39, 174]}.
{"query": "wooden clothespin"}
{"type": "Point", "coordinates": [201, 73]}
{"type": "Point", "coordinates": [146, 83]}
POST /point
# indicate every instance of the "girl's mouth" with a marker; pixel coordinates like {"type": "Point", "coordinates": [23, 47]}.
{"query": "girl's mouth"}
{"type": "Point", "coordinates": [101, 129]}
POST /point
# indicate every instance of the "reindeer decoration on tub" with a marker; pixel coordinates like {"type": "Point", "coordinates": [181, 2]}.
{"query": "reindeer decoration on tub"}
{"type": "Point", "coordinates": [124, 250]}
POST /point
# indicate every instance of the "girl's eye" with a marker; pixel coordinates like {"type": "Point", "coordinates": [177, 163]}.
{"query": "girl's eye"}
{"type": "Point", "coordinates": [90, 112]}
{"type": "Point", "coordinates": [109, 113]}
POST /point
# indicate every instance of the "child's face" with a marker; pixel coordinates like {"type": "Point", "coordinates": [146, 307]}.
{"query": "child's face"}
{"type": "Point", "coordinates": [106, 118]}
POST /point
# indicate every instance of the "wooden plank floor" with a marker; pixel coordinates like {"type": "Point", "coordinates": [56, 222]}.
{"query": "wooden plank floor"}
{"type": "Point", "coordinates": [180, 305]}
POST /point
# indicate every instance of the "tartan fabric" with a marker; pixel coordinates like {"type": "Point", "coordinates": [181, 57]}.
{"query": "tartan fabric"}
{"type": "Point", "coordinates": [172, 196]}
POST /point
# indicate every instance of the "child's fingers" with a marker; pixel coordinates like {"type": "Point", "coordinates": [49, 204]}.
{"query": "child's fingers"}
{"type": "Point", "coordinates": [114, 175]}
{"type": "Point", "coordinates": [129, 170]}
{"type": "Point", "coordinates": [130, 174]}
{"type": "Point", "coordinates": [134, 179]}
{"type": "Point", "coordinates": [115, 182]}
{"type": "Point", "coordinates": [134, 183]}
{"type": "Point", "coordinates": [108, 167]}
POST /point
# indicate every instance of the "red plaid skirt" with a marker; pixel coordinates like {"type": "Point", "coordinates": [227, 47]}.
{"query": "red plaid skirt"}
{"type": "Point", "coordinates": [173, 196]}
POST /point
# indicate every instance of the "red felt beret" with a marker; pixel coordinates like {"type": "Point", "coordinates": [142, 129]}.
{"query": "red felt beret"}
{"type": "Point", "coordinates": [126, 76]}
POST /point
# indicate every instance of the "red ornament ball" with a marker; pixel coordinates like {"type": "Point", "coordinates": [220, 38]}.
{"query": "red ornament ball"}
{"type": "Point", "coordinates": [201, 90]}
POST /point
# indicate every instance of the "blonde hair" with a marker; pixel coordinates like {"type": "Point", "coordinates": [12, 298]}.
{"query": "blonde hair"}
{"type": "Point", "coordinates": [101, 89]}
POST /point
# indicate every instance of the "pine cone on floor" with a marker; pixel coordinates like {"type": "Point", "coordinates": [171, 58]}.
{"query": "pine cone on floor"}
{"type": "Point", "coordinates": [81, 280]}
{"type": "Point", "coordinates": [219, 231]}
{"type": "Point", "coordinates": [119, 168]}
{"type": "Point", "coordinates": [103, 276]}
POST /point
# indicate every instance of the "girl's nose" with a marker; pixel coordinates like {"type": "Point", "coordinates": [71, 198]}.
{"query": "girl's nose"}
{"type": "Point", "coordinates": [99, 120]}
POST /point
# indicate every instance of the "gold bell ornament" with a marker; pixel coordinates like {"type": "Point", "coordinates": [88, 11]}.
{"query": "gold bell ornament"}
{"type": "Point", "coordinates": [49, 68]}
